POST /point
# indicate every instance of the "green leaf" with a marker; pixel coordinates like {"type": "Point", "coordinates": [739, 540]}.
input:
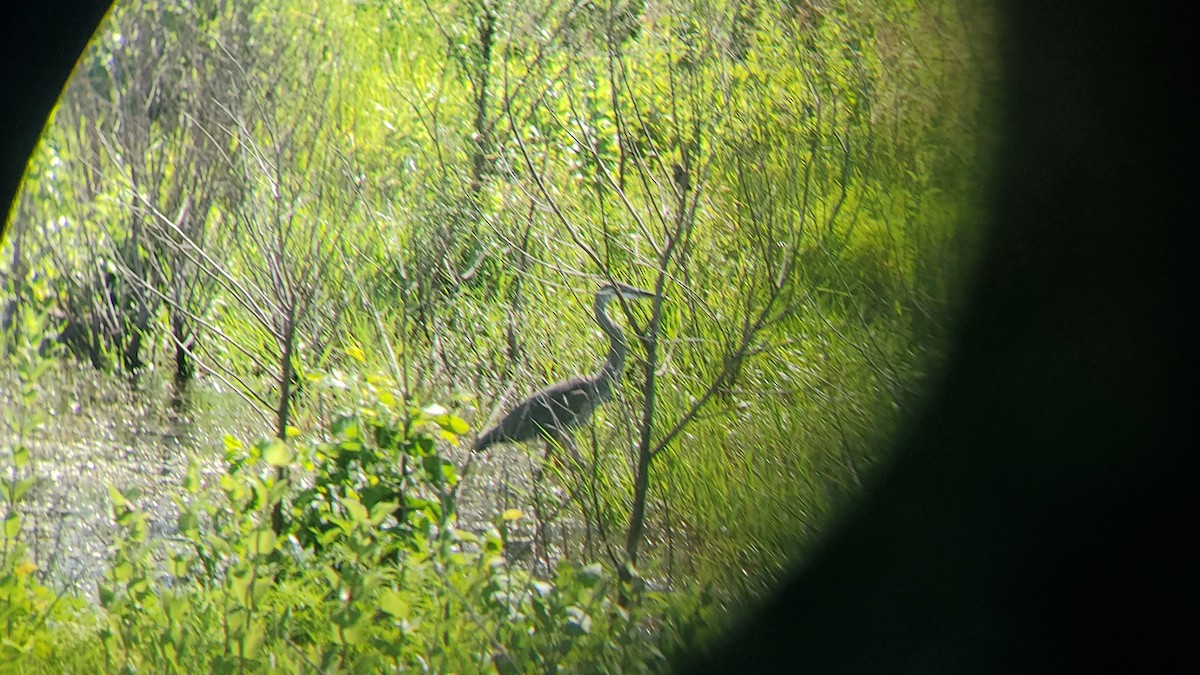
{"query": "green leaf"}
{"type": "Point", "coordinates": [421, 446]}
{"type": "Point", "coordinates": [277, 453]}
{"type": "Point", "coordinates": [239, 582]}
{"type": "Point", "coordinates": [191, 481]}
{"type": "Point", "coordinates": [23, 487]}
{"type": "Point", "coordinates": [234, 488]}
{"type": "Point", "coordinates": [358, 512]}
{"type": "Point", "coordinates": [12, 525]}
{"type": "Point", "coordinates": [435, 468]}
{"type": "Point", "coordinates": [393, 603]}
{"type": "Point", "coordinates": [175, 607]}
{"type": "Point", "coordinates": [118, 499]}
{"type": "Point", "coordinates": [588, 576]}
{"type": "Point", "coordinates": [419, 503]}
{"type": "Point", "coordinates": [493, 542]}
{"type": "Point", "coordinates": [381, 510]}
{"type": "Point", "coordinates": [346, 426]}
{"type": "Point", "coordinates": [179, 565]}
{"type": "Point", "coordinates": [278, 489]}
{"type": "Point", "coordinates": [188, 521]}
{"type": "Point", "coordinates": [122, 572]}
{"type": "Point", "coordinates": [252, 639]}
{"type": "Point", "coordinates": [449, 474]}
{"type": "Point", "coordinates": [452, 423]}
{"type": "Point", "coordinates": [20, 648]}
{"type": "Point", "coordinates": [21, 457]}
{"type": "Point", "coordinates": [261, 586]}
{"type": "Point", "coordinates": [261, 542]}
{"type": "Point", "coordinates": [578, 621]}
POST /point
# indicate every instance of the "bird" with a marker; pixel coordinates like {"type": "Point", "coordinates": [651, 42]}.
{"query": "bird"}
{"type": "Point", "coordinates": [550, 413]}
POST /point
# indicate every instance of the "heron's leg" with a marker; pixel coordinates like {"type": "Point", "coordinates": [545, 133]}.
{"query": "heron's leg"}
{"type": "Point", "coordinates": [540, 536]}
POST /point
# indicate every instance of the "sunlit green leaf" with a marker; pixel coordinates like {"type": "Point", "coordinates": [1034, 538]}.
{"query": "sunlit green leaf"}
{"type": "Point", "coordinates": [118, 499]}
{"type": "Point", "coordinates": [357, 511]}
{"type": "Point", "coordinates": [277, 453]}
{"type": "Point", "coordinates": [122, 571]}
{"type": "Point", "coordinates": [464, 535]}
{"type": "Point", "coordinates": [346, 426]}
{"type": "Point", "coordinates": [449, 474]}
{"type": "Point", "coordinates": [22, 487]}
{"type": "Point", "coordinates": [252, 639]}
{"type": "Point", "coordinates": [381, 510]}
{"type": "Point", "coordinates": [175, 607]}
{"type": "Point", "coordinates": [179, 565]}
{"type": "Point", "coordinates": [12, 525]}
{"type": "Point", "coordinates": [261, 542]}
{"type": "Point", "coordinates": [393, 603]}
{"type": "Point", "coordinates": [239, 582]}
{"type": "Point", "coordinates": [452, 423]}
{"type": "Point", "coordinates": [277, 490]}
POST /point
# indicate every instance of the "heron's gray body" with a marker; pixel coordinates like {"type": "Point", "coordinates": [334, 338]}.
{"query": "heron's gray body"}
{"type": "Point", "coordinates": [550, 412]}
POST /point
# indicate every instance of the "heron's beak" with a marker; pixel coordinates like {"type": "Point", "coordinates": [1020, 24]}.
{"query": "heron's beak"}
{"type": "Point", "coordinates": [633, 293]}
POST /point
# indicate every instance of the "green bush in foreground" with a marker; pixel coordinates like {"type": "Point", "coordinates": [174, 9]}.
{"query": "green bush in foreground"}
{"type": "Point", "coordinates": [373, 575]}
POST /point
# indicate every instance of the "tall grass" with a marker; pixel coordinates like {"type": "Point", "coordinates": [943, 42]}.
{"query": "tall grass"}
{"type": "Point", "coordinates": [793, 181]}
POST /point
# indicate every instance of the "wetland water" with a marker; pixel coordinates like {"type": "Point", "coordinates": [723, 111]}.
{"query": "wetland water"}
{"type": "Point", "coordinates": [98, 431]}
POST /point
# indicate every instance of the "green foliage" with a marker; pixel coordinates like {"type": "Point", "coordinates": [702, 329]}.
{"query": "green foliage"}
{"type": "Point", "coordinates": [33, 616]}
{"type": "Point", "coordinates": [382, 462]}
{"type": "Point", "coordinates": [356, 589]}
{"type": "Point", "coordinates": [432, 189]}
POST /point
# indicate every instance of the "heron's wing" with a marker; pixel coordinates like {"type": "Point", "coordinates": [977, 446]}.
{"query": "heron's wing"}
{"type": "Point", "coordinates": [548, 411]}
{"type": "Point", "coordinates": [563, 404]}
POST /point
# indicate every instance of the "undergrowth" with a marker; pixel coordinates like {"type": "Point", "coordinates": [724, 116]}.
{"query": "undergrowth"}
{"type": "Point", "coordinates": [373, 573]}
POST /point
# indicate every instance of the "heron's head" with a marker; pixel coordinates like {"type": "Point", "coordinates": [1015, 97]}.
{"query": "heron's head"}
{"type": "Point", "coordinates": [609, 291]}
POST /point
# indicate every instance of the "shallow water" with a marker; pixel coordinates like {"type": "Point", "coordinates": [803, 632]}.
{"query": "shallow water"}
{"type": "Point", "coordinates": [100, 431]}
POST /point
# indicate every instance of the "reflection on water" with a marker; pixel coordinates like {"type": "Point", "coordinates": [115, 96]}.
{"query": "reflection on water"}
{"type": "Point", "coordinates": [100, 431]}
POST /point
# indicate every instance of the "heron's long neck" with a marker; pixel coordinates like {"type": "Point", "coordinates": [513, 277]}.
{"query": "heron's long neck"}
{"type": "Point", "coordinates": [615, 362]}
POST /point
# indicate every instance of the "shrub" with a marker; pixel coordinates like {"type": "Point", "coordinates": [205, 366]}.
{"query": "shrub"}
{"type": "Point", "coordinates": [371, 574]}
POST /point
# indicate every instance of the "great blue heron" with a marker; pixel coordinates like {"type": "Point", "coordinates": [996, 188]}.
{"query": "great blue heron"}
{"type": "Point", "coordinates": [549, 413]}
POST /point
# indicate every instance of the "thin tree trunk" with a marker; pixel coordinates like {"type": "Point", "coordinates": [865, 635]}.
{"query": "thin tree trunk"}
{"type": "Point", "coordinates": [283, 412]}
{"type": "Point", "coordinates": [641, 481]}
{"type": "Point", "coordinates": [487, 33]}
